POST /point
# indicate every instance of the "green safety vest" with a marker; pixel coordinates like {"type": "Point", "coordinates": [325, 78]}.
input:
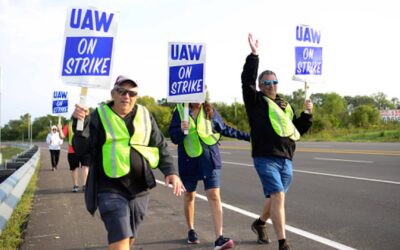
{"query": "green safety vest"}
{"type": "Point", "coordinates": [70, 132]}
{"type": "Point", "coordinates": [202, 130]}
{"type": "Point", "coordinates": [282, 120]}
{"type": "Point", "coordinates": [116, 148]}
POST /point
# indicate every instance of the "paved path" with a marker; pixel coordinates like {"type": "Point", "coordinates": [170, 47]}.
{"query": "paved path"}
{"type": "Point", "coordinates": [59, 219]}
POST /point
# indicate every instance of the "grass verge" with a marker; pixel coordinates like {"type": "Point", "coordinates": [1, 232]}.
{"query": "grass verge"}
{"type": "Point", "coordinates": [355, 135]}
{"type": "Point", "coordinates": [13, 233]}
{"type": "Point", "coordinates": [9, 152]}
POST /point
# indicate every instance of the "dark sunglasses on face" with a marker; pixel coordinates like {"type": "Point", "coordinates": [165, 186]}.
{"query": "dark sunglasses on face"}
{"type": "Point", "coordinates": [123, 91]}
{"type": "Point", "coordinates": [268, 82]}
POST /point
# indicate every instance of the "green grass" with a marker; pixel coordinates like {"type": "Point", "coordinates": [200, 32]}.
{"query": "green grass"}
{"type": "Point", "coordinates": [12, 235]}
{"type": "Point", "coordinates": [355, 135]}
{"type": "Point", "coordinates": [9, 152]}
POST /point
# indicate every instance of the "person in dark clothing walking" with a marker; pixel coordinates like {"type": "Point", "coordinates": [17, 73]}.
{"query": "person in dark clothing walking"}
{"type": "Point", "coordinates": [125, 144]}
{"type": "Point", "coordinates": [274, 130]}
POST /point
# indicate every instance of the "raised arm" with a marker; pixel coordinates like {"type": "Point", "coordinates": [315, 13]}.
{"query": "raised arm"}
{"type": "Point", "coordinates": [250, 72]}
{"type": "Point", "coordinates": [253, 44]}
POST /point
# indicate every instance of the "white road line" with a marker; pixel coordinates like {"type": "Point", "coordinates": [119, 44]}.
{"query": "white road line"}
{"type": "Point", "coordinates": [294, 230]}
{"type": "Point", "coordinates": [349, 177]}
{"type": "Point", "coordinates": [42, 236]}
{"type": "Point", "coordinates": [333, 159]}
{"type": "Point", "coordinates": [224, 152]}
{"type": "Point", "coordinates": [326, 174]}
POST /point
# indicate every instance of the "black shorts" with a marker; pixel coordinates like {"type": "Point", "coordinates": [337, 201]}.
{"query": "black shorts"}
{"type": "Point", "coordinates": [75, 161]}
{"type": "Point", "coordinates": [120, 216]}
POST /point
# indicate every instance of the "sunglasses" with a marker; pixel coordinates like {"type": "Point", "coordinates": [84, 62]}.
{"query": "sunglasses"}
{"type": "Point", "coordinates": [123, 91]}
{"type": "Point", "coordinates": [269, 82]}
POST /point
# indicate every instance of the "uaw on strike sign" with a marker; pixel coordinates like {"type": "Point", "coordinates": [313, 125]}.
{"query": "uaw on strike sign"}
{"type": "Point", "coordinates": [60, 102]}
{"type": "Point", "coordinates": [186, 63]}
{"type": "Point", "coordinates": [308, 54]}
{"type": "Point", "coordinates": [88, 50]}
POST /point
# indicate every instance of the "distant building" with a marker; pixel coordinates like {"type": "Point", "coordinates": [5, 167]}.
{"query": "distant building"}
{"type": "Point", "coordinates": [390, 115]}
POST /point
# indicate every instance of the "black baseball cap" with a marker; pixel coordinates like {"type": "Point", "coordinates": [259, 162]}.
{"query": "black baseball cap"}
{"type": "Point", "coordinates": [121, 79]}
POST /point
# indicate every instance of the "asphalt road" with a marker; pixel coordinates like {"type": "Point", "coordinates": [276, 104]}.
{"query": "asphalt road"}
{"type": "Point", "coordinates": [343, 196]}
{"type": "Point", "coordinates": [346, 193]}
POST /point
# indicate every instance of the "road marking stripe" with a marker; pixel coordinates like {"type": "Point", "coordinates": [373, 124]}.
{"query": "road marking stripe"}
{"type": "Point", "coordinates": [294, 230]}
{"type": "Point", "coordinates": [348, 177]}
{"type": "Point", "coordinates": [334, 159]}
{"type": "Point", "coordinates": [326, 174]}
{"type": "Point", "coordinates": [330, 150]}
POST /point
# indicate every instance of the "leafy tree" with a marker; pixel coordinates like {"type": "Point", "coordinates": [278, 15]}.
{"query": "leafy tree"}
{"type": "Point", "coordinates": [381, 102]}
{"type": "Point", "coordinates": [298, 100]}
{"type": "Point", "coordinates": [330, 111]}
{"type": "Point", "coordinates": [161, 114]}
{"type": "Point", "coordinates": [365, 116]}
{"type": "Point", "coordinates": [41, 126]}
{"type": "Point", "coordinates": [396, 102]}
{"type": "Point", "coordinates": [16, 129]}
{"type": "Point", "coordinates": [354, 102]}
{"type": "Point", "coordinates": [234, 115]}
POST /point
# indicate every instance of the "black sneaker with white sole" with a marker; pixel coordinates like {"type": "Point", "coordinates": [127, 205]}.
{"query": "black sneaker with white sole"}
{"type": "Point", "coordinates": [193, 238]}
{"type": "Point", "coordinates": [223, 243]}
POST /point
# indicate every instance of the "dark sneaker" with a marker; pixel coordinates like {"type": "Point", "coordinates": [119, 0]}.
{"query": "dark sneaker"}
{"type": "Point", "coordinates": [223, 243]}
{"type": "Point", "coordinates": [285, 247]}
{"type": "Point", "coordinates": [192, 237]}
{"type": "Point", "coordinates": [83, 188]}
{"type": "Point", "coordinates": [75, 189]}
{"type": "Point", "coordinates": [261, 232]}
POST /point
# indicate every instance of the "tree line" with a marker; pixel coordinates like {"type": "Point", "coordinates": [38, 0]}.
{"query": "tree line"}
{"type": "Point", "coordinates": [331, 111]}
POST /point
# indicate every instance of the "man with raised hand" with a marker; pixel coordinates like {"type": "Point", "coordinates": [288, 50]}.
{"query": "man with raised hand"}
{"type": "Point", "coordinates": [274, 131]}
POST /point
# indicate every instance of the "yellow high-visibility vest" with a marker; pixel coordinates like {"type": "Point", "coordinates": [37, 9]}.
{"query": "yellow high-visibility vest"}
{"type": "Point", "coordinates": [202, 130]}
{"type": "Point", "coordinates": [116, 148]}
{"type": "Point", "coordinates": [282, 120]}
{"type": "Point", "coordinates": [70, 132]}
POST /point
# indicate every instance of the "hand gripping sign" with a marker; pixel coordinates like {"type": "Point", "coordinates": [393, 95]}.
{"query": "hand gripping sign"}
{"type": "Point", "coordinates": [186, 63]}
{"type": "Point", "coordinates": [88, 49]}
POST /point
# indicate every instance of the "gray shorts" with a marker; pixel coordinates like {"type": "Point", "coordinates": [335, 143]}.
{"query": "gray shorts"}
{"type": "Point", "coordinates": [121, 216]}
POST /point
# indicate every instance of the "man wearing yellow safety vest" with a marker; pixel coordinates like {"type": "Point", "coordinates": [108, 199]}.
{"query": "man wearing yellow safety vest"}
{"type": "Point", "coordinates": [125, 144]}
{"type": "Point", "coordinates": [74, 160]}
{"type": "Point", "coordinates": [199, 159]}
{"type": "Point", "coordinates": [274, 130]}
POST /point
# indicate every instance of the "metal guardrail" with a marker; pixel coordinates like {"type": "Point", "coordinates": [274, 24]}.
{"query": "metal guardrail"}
{"type": "Point", "coordinates": [12, 188]}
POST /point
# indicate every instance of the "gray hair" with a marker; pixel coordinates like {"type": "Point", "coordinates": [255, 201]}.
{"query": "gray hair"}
{"type": "Point", "coordinates": [265, 72]}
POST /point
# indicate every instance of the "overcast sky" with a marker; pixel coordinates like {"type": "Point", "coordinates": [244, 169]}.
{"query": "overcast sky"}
{"type": "Point", "coordinates": [360, 41]}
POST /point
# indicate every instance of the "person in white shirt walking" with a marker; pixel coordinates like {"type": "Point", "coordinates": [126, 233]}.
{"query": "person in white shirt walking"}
{"type": "Point", "coordinates": [54, 142]}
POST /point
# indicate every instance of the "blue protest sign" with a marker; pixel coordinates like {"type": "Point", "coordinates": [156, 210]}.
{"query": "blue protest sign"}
{"type": "Point", "coordinates": [186, 80]}
{"type": "Point", "coordinates": [186, 72]}
{"type": "Point", "coordinates": [308, 60]}
{"type": "Point", "coordinates": [60, 102]}
{"type": "Point", "coordinates": [87, 56]}
{"type": "Point", "coordinates": [308, 55]}
{"type": "Point", "coordinates": [88, 47]}
{"type": "Point", "coordinates": [60, 106]}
